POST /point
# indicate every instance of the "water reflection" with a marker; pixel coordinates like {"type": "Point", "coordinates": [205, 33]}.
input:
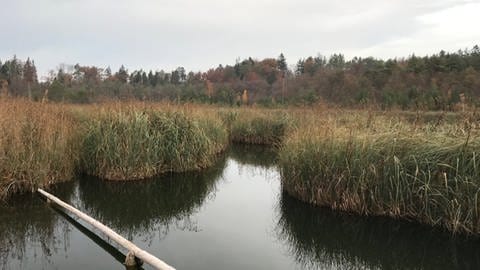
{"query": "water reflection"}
{"type": "Point", "coordinates": [256, 155]}
{"type": "Point", "coordinates": [142, 208]}
{"type": "Point", "coordinates": [320, 238]}
{"type": "Point", "coordinates": [110, 249]}
{"type": "Point", "coordinates": [28, 228]}
{"type": "Point", "coordinates": [242, 214]}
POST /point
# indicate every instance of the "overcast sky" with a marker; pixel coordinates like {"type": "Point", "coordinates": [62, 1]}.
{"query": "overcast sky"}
{"type": "Point", "coordinates": [158, 34]}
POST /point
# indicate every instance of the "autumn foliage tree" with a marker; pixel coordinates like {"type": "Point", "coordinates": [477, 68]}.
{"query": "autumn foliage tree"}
{"type": "Point", "coordinates": [438, 81]}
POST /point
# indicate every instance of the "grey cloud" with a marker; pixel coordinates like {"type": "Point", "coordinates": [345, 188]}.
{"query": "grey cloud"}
{"type": "Point", "coordinates": [203, 34]}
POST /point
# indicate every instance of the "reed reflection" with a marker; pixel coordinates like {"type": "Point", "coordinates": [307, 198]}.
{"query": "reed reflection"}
{"type": "Point", "coordinates": [141, 208]}
{"type": "Point", "coordinates": [319, 238]}
{"type": "Point", "coordinates": [28, 227]}
{"type": "Point", "coordinates": [255, 155]}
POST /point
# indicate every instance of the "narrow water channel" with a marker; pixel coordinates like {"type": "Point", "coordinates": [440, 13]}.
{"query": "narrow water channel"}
{"type": "Point", "coordinates": [232, 216]}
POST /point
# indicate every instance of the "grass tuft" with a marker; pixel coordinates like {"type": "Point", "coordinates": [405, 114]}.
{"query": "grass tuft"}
{"type": "Point", "coordinates": [387, 166]}
{"type": "Point", "coordinates": [37, 146]}
{"type": "Point", "coordinates": [254, 127]}
{"type": "Point", "coordinates": [135, 144]}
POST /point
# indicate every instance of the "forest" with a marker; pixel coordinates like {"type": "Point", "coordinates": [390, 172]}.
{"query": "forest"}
{"type": "Point", "coordinates": [443, 81]}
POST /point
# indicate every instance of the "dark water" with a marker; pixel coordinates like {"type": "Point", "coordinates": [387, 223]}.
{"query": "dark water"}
{"type": "Point", "coordinates": [232, 216]}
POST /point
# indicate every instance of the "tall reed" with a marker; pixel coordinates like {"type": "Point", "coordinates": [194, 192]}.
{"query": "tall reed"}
{"type": "Point", "coordinates": [386, 166]}
{"type": "Point", "coordinates": [130, 144]}
{"type": "Point", "coordinates": [37, 146]}
{"type": "Point", "coordinates": [260, 127]}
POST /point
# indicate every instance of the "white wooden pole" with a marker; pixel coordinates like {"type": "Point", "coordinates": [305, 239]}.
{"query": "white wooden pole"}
{"type": "Point", "coordinates": [132, 248]}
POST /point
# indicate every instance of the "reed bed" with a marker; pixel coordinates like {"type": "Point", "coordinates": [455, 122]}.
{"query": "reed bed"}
{"type": "Point", "coordinates": [130, 144]}
{"type": "Point", "coordinates": [377, 164]}
{"type": "Point", "coordinates": [259, 127]}
{"type": "Point", "coordinates": [42, 144]}
{"type": "Point", "coordinates": [38, 146]}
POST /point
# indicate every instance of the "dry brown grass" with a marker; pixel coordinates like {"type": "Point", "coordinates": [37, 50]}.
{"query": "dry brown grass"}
{"type": "Point", "coordinates": [38, 145]}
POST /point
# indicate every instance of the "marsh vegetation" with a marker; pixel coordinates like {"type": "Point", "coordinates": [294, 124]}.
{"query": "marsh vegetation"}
{"type": "Point", "coordinates": [382, 164]}
{"type": "Point", "coordinates": [414, 166]}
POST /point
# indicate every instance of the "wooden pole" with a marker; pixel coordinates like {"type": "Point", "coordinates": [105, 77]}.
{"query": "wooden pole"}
{"type": "Point", "coordinates": [109, 248]}
{"type": "Point", "coordinates": [132, 248]}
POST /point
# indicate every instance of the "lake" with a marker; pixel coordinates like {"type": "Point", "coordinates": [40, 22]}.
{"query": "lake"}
{"type": "Point", "coordinates": [231, 216]}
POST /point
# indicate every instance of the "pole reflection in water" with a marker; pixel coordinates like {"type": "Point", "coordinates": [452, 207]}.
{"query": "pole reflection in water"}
{"type": "Point", "coordinates": [105, 245]}
{"type": "Point", "coordinates": [29, 233]}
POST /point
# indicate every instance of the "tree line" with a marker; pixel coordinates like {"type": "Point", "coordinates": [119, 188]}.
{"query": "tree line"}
{"type": "Point", "coordinates": [439, 81]}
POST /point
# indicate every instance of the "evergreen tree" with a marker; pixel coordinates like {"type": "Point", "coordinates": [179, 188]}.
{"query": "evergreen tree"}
{"type": "Point", "coordinates": [282, 63]}
{"type": "Point", "coordinates": [29, 75]}
{"type": "Point", "coordinates": [320, 61]}
{"type": "Point", "coordinates": [182, 74]}
{"type": "Point", "coordinates": [337, 61]}
{"type": "Point", "coordinates": [108, 73]}
{"type": "Point", "coordinates": [122, 75]}
{"type": "Point", "coordinates": [300, 68]}
{"type": "Point", "coordinates": [3, 71]}
{"type": "Point", "coordinates": [175, 77]}
{"type": "Point", "coordinates": [152, 79]}
{"type": "Point", "coordinates": [145, 80]}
